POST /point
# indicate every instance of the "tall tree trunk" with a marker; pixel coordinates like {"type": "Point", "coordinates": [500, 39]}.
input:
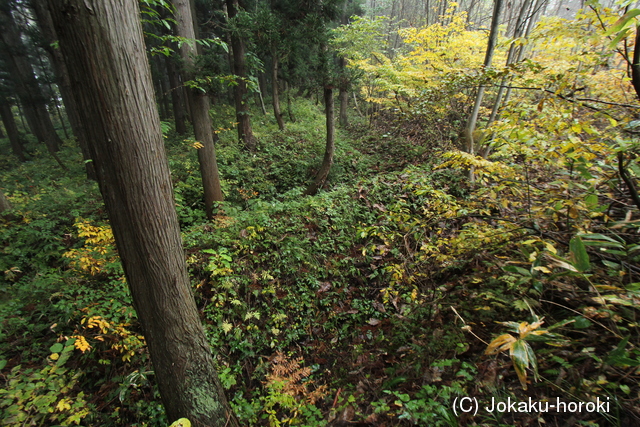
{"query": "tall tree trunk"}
{"type": "Point", "coordinates": [27, 86]}
{"type": "Point", "coordinates": [17, 146]}
{"type": "Point", "coordinates": [243, 117]}
{"type": "Point", "coordinates": [287, 90]}
{"type": "Point", "coordinates": [327, 161]}
{"type": "Point", "coordinates": [4, 203]}
{"type": "Point", "coordinates": [473, 118]}
{"type": "Point", "coordinates": [276, 92]}
{"type": "Point", "coordinates": [227, 38]}
{"type": "Point", "coordinates": [355, 103]}
{"type": "Point", "coordinates": [512, 57]}
{"type": "Point", "coordinates": [52, 93]}
{"type": "Point", "coordinates": [635, 66]}
{"type": "Point", "coordinates": [199, 105]}
{"type": "Point", "coordinates": [343, 97]}
{"type": "Point", "coordinates": [260, 98]}
{"type": "Point", "coordinates": [45, 23]}
{"type": "Point", "coordinates": [104, 51]}
{"type": "Point", "coordinates": [427, 12]}
{"type": "Point", "coordinates": [177, 96]}
{"type": "Point", "coordinates": [162, 90]}
{"type": "Point", "coordinates": [25, 128]}
{"type": "Point", "coordinates": [262, 85]}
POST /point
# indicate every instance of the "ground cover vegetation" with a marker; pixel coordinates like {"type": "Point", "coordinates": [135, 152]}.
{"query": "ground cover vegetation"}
{"type": "Point", "coordinates": [421, 272]}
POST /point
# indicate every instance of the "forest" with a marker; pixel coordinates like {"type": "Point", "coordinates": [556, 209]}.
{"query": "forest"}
{"type": "Point", "coordinates": [319, 213]}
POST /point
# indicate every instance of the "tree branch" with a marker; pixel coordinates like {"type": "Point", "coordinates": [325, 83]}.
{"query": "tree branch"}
{"type": "Point", "coordinates": [627, 180]}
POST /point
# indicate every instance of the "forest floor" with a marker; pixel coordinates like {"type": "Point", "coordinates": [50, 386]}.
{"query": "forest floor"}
{"type": "Point", "coordinates": [370, 304]}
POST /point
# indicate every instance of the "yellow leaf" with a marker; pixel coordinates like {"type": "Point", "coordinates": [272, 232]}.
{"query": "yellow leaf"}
{"type": "Point", "coordinates": [525, 328]}
{"type": "Point", "coordinates": [573, 213]}
{"type": "Point", "coordinates": [54, 356]}
{"type": "Point", "coordinates": [551, 248]}
{"type": "Point", "coordinates": [607, 288]}
{"type": "Point", "coordinates": [502, 343]}
{"type": "Point", "coordinates": [63, 405]}
{"type": "Point", "coordinates": [81, 343]}
{"type": "Point", "coordinates": [182, 422]}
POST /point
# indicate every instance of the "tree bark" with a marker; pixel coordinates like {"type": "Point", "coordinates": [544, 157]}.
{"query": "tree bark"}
{"type": "Point", "coordinates": [473, 117]}
{"type": "Point", "coordinates": [45, 23]}
{"type": "Point", "coordinates": [327, 161]}
{"type": "Point", "coordinates": [4, 203]}
{"type": "Point", "coordinates": [103, 48]}
{"type": "Point", "coordinates": [161, 101]}
{"type": "Point", "coordinates": [276, 93]}
{"type": "Point", "coordinates": [635, 67]}
{"type": "Point", "coordinates": [177, 96]}
{"type": "Point", "coordinates": [243, 117]}
{"type": "Point", "coordinates": [343, 97]}
{"type": "Point", "coordinates": [260, 98]}
{"type": "Point", "coordinates": [27, 86]}
{"type": "Point", "coordinates": [199, 105]}
{"type": "Point", "coordinates": [287, 90]}
{"type": "Point", "coordinates": [162, 90]}
{"type": "Point", "coordinates": [17, 146]}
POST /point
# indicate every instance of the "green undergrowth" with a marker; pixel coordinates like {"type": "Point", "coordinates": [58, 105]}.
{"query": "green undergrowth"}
{"type": "Point", "coordinates": [372, 303]}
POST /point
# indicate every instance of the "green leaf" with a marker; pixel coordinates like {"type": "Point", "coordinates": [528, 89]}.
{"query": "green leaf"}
{"type": "Point", "coordinates": [619, 351]}
{"type": "Point", "coordinates": [226, 327]}
{"type": "Point", "coordinates": [598, 236]}
{"type": "Point", "coordinates": [520, 358]}
{"type": "Point", "coordinates": [581, 322]}
{"type": "Point", "coordinates": [561, 324]}
{"type": "Point", "coordinates": [532, 360]}
{"type": "Point", "coordinates": [579, 254]}
{"type": "Point", "coordinates": [623, 22]}
{"type": "Point", "coordinates": [591, 201]}
{"type": "Point", "coordinates": [56, 348]}
{"type": "Point", "coordinates": [517, 270]}
{"type": "Point", "coordinates": [619, 355]}
{"type": "Point", "coordinates": [610, 264]}
{"type": "Point", "coordinates": [621, 35]}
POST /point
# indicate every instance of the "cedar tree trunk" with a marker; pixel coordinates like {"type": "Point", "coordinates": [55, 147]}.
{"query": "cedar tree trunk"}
{"type": "Point", "coordinates": [4, 203]}
{"type": "Point", "coordinates": [177, 96]}
{"type": "Point", "coordinates": [240, 93]}
{"type": "Point", "coordinates": [199, 103]}
{"type": "Point", "coordinates": [102, 45]}
{"type": "Point", "coordinates": [276, 93]}
{"type": "Point", "coordinates": [27, 87]}
{"type": "Point", "coordinates": [49, 35]}
{"type": "Point", "coordinates": [635, 66]}
{"type": "Point", "coordinates": [323, 173]}
{"type": "Point", "coordinates": [12, 130]}
{"type": "Point", "coordinates": [343, 97]}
